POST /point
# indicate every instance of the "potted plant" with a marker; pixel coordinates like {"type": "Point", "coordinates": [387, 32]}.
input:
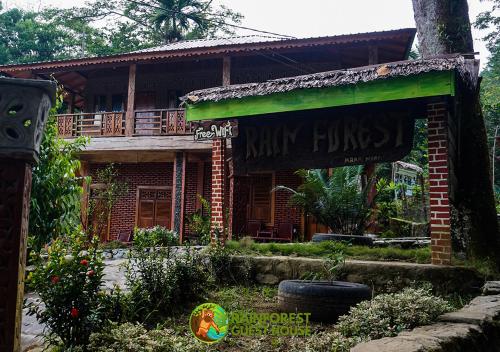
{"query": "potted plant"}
{"type": "Point", "coordinates": [326, 300]}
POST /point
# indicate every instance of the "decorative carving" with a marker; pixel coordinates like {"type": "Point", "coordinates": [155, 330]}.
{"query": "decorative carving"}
{"type": "Point", "coordinates": [24, 107]}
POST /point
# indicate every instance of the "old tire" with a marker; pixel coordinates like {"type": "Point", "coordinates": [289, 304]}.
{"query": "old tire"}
{"type": "Point", "coordinates": [354, 240]}
{"type": "Point", "coordinates": [325, 300]}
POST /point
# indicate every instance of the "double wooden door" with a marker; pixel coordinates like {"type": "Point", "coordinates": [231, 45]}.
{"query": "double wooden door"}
{"type": "Point", "coordinates": [154, 206]}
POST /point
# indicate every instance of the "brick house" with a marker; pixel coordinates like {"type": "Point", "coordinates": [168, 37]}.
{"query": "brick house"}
{"type": "Point", "coordinates": [129, 104]}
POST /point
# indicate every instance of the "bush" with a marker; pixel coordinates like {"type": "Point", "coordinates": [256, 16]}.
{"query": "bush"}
{"type": "Point", "coordinates": [162, 281]}
{"type": "Point", "coordinates": [388, 314]}
{"type": "Point", "coordinates": [112, 245]}
{"type": "Point", "coordinates": [157, 236]}
{"type": "Point", "coordinates": [222, 266]}
{"type": "Point", "coordinates": [135, 338]}
{"type": "Point", "coordinates": [199, 222]}
{"type": "Point", "coordinates": [69, 287]}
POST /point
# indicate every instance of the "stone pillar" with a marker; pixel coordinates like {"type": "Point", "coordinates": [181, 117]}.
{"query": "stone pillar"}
{"type": "Point", "coordinates": [178, 185]}
{"type": "Point", "coordinates": [439, 181]}
{"type": "Point", "coordinates": [218, 187]}
{"type": "Point", "coordinates": [23, 112]}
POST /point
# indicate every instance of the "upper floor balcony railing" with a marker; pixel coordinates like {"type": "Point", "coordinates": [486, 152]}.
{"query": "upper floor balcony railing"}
{"type": "Point", "coordinates": [156, 122]}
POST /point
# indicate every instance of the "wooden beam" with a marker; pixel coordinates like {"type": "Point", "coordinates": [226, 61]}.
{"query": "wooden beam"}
{"type": "Point", "coordinates": [373, 55]}
{"type": "Point", "coordinates": [390, 89]}
{"type": "Point", "coordinates": [226, 70]}
{"type": "Point", "coordinates": [129, 117]}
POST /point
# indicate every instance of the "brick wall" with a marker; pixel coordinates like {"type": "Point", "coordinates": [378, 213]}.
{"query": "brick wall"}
{"type": "Point", "coordinates": [439, 183]}
{"type": "Point", "coordinates": [190, 192]}
{"type": "Point", "coordinates": [218, 183]}
{"type": "Point", "coordinates": [144, 174]}
{"type": "Point", "coordinates": [283, 211]}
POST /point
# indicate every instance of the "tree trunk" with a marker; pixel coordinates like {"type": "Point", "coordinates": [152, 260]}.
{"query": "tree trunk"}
{"type": "Point", "coordinates": [443, 27]}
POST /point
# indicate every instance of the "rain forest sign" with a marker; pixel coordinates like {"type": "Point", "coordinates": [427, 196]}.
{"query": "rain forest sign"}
{"type": "Point", "coordinates": [209, 130]}
{"type": "Point", "coordinates": [322, 139]}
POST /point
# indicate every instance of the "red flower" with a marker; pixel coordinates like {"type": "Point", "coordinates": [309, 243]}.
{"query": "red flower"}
{"type": "Point", "coordinates": [84, 262]}
{"type": "Point", "coordinates": [55, 279]}
{"type": "Point", "coordinates": [90, 273]}
{"type": "Point", "coordinates": [74, 312]}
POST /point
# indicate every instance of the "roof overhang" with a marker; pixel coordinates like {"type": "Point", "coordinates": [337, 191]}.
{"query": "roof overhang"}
{"type": "Point", "coordinates": [400, 88]}
{"type": "Point", "coordinates": [371, 84]}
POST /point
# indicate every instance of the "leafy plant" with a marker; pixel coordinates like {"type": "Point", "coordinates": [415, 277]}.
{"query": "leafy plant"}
{"type": "Point", "coordinates": [199, 222]}
{"type": "Point", "coordinates": [136, 338]}
{"type": "Point", "coordinates": [157, 236]}
{"type": "Point", "coordinates": [223, 268]}
{"type": "Point", "coordinates": [388, 314]}
{"type": "Point", "coordinates": [56, 188]}
{"type": "Point", "coordinates": [162, 281]}
{"type": "Point", "coordinates": [104, 198]}
{"type": "Point", "coordinates": [337, 201]}
{"type": "Point", "coordinates": [69, 284]}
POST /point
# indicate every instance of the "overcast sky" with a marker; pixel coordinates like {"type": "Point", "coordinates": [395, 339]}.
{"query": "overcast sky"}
{"type": "Point", "coordinates": [306, 18]}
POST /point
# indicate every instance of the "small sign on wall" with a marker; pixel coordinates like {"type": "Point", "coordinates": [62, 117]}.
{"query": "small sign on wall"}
{"type": "Point", "coordinates": [210, 130]}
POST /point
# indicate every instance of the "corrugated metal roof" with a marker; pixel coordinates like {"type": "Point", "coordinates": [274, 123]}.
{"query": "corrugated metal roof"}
{"type": "Point", "coordinates": [221, 46]}
{"type": "Point", "coordinates": [212, 42]}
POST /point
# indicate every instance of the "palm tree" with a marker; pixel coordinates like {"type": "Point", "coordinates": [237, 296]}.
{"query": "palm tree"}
{"type": "Point", "coordinates": [335, 200]}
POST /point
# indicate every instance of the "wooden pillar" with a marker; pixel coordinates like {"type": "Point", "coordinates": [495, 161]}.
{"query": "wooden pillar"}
{"type": "Point", "coordinates": [439, 182]}
{"type": "Point", "coordinates": [228, 201]}
{"type": "Point", "coordinates": [226, 71]}
{"type": "Point", "coordinates": [178, 188]}
{"type": "Point", "coordinates": [17, 154]}
{"type": "Point", "coordinates": [15, 187]}
{"type": "Point", "coordinates": [129, 115]}
{"type": "Point", "coordinates": [84, 172]}
{"type": "Point", "coordinates": [373, 55]}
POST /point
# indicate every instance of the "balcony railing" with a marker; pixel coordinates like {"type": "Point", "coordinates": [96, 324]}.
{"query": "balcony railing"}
{"type": "Point", "coordinates": [161, 122]}
{"type": "Point", "coordinates": [91, 124]}
{"type": "Point", "coordinates": [107, 124]}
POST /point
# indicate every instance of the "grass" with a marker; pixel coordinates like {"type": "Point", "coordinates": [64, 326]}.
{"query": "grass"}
{"type": "Point", "coordinates": [323, 249]}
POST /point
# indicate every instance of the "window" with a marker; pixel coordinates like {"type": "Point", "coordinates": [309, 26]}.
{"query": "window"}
{"type": "Point", "coordinates": [154, 206]}
{"type": "Point", "coordinates": [117, 103]}
{"type": "Point", "coordinates": [261, 198]}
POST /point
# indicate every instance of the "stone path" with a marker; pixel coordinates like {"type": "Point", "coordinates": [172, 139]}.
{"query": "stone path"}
{"type": "Point", "coordinates": [32, 331]}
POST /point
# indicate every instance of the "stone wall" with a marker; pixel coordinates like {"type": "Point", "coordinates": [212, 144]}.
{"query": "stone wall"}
{"type": "Point", "coordinates": [475, 328]}
{"type": "Point", "coordinates": [381, 276]}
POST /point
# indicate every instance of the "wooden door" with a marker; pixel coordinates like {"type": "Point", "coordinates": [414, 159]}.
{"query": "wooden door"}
{"type": "Point", "coordinates": [261, 198]}
{"type": "Point", "coordinates": [146, 122]}
{"type": "Point", "coordinates": [154, 206]}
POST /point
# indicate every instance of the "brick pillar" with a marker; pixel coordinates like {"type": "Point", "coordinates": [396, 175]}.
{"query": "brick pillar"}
{"type": "Point", "coordinates": [218, 187]}
{"type": "Point", "coordinates": [439, 180]}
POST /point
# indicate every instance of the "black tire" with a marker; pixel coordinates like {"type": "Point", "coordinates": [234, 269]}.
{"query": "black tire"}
{"type": "Point", "coordinates": [355, 240]}
{"type": "Point", "coordinates": [325, 300]}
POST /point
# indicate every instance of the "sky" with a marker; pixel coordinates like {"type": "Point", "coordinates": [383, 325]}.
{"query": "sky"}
{"type": "Point", "coordinates": [310, 18]}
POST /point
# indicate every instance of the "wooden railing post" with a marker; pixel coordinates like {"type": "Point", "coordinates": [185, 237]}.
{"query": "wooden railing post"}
{"type": "Point", "coordinates": [130, 115]}
{"type": "Point", "coordinates": [19, 146]}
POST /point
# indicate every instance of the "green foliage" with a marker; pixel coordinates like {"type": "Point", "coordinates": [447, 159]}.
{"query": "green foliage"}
{"type": "Point", "coordinates": [336, 201]}
{"type": "Point", "coordinates": [56, 190]}
{"type": "Point", "coordinates": [68, 282]}
{"type": "Point", "coordinates": [323, 249]}
{"type": "Point", "coordinates": [199, 222]}
{"type": "Point", "coordinates": [157, 236]}
{"type": "Point", "coordinates": [112, 245]}
{"type": "Point", "coordinates": [136, 338]}
{"type": "Point", "coordinates": [161, 21]}
{"type": "Point", "coordinates": [223, 268]}
{"type": "Point", "coordinates": [104, 198]}
{"type": "Point", "coordinates": [388, 314]}
{"type": "Point", "coordinates": [162, 281]}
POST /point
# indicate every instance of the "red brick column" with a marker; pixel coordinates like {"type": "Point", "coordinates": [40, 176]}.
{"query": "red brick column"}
{"type": "Point", "coordinates": [218, 186]}
{"type": "Point", "coordinates": [437, 116]}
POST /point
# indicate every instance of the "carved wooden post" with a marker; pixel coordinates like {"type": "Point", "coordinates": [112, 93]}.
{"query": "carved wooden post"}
{"type": "Point", "coordinates": [24, 106]}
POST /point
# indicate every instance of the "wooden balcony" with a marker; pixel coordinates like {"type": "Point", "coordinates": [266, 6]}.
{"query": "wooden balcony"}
{"type": "Point", "coordinates": [158, 122]}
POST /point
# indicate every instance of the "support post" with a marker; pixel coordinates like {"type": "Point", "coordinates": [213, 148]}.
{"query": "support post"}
{"type": "Point", "coordinates": [19, 146]}
{"type": "Point", "coordinates": [129, 115]}
{"type": "Point", "coordinates": [178, 187]}
{"type": "Point", "coordinates": [218, 187]}
{"type": "Point", "coordinates": [439, 182]}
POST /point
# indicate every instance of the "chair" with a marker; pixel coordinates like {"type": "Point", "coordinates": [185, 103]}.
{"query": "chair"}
{"type": "Point", "coordinates": [125, 236]}
{"type": "Point", "coordinates": [253, 228]}
{"type": "Point", "coordinates": [284, 232]}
